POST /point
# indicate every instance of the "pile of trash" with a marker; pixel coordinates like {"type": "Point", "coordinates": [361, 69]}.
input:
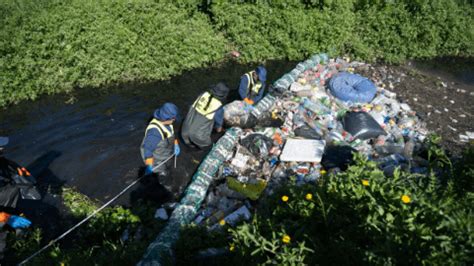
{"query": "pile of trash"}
{"type": "Point", "coordinates": [324, 113]}
{"type": "Point", "coordinates": [310, 123]}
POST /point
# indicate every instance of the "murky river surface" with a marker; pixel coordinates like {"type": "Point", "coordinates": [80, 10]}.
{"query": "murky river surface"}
{"type": "Point", "coordinates": [93, 144]}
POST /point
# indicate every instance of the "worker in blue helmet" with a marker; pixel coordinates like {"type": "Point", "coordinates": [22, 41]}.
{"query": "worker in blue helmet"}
{"type": "Point", "coordinates": [15, 182]}
{"type": "Point", "coordinates": [159, 143]}
{"type": "Point", "coordinates": [252, 85]}
{"type": "Point", "coordinates": [205, 114]}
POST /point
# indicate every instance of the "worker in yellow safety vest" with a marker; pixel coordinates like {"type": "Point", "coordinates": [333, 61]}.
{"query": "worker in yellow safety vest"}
{"type": "Point", "coordinates": [205, 113]}
{"type": "Point", "coordinates": [159, 142]}
{"type": "Point", "coordinates": [252, 85]}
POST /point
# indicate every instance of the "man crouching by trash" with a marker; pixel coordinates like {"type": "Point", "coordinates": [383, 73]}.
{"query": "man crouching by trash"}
{"type": "Point", "coordinates": [15, 181]}
{"type": "Point", "coordinates": [205, 113]}
{"type": "Point", "coordinates": [252, 85]}
{"type": "Point", "coordinates": [159, 144]}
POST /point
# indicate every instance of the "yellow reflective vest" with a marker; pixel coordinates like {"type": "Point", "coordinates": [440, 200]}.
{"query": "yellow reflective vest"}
{"type": "Point", "coordinates": [201, 103]}
{"type": "Point", "coordinates": [164, 132]}
{"type": "Point", "coordinates": [252, 87]}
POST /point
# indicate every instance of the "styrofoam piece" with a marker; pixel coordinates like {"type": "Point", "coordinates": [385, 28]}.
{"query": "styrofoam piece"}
{"type": "Point", "coordinates": [297, 87]}
{"type": "Point", "coordinates": [303, 150]}
{"type": "Point", "coordinates": [470, 135]}
{"type": "Point", "coordinates": [240, 160]}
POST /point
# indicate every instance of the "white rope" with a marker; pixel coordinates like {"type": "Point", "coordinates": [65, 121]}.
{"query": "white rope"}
{"type": "Point", "coordinates": [91, 215]}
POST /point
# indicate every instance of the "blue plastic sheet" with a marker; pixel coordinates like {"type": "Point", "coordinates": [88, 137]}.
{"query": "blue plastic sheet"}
{"type": "Point", "coordinates": [352, 88]}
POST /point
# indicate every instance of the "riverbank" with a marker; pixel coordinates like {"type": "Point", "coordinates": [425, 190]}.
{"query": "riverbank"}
{"type": "Point", "coordinates": [56, 47]}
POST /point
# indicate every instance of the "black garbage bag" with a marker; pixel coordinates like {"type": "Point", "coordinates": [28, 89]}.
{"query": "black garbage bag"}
{"type": "Point", "coordinates": [15, 181]}
{"type": "Point", "coordinates": [337, 156]}
{"type": "Point", "coordinates": [362, 126]}
{"type": "Point", "coordinates": [9, 195]}
{"type": "Point", "coordinates": [265, 120]}
{"type": "Point", "coordinates": [259, 145]}
{"type": "Point", "coordinates": [251, 122]}
{"type": "Point", "coordinates": [307, 132]}
{"type": "Point", "coordinates": [27, 187]}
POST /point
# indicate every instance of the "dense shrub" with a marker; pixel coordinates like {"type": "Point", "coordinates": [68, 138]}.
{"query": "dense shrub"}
{"type": "Point", "coordinates": [417, 29]}
{"type": "Point", "coordinates": [369, 29]}
{"type": "Point", "coordinates": [50, 46]}
{"type": "Point", "coordinates": [265, 32]}
{"type": "Point", "coordinates": [53, 46]}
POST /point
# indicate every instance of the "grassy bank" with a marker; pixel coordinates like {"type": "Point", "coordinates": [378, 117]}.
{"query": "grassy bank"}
{"type": "Point", "coordinates": [51, 46]}
{"type": "Point", "coordinates": [54, 46]}
{"type": "Point", "coordinates": [356, 217]}
{"type": "Point", "coordinates": [366, 29]}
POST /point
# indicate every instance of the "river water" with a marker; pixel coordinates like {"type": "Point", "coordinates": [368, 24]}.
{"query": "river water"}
{"type": "Point", "coordinates": [93, 143]}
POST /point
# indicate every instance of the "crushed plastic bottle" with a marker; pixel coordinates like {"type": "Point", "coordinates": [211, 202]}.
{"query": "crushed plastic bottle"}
{"type": "Point", "coordinates": [315, 107]}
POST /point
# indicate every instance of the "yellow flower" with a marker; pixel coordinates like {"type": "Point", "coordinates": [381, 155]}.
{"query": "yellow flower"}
{"type": "Point", "coordinates": [222, 222]}
{"type": "Point", "coordinates": [365, 182]}
{"type": "Point", "coordinates": [322, 172]}
{"type": "Point", "coordinates": [232, 247]}
{"type": "Point", "coordinates": [286, 239]}
{"type": "Point", "coordinates": [309, 196]}
{"type": "Point", "coordinates": [285, 198]}
{"type": "Point", "coordinates": [406, 199]}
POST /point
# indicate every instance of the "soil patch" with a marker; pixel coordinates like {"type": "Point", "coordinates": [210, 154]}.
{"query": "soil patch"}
{"type": "Point", "coordinates": [442, 99]}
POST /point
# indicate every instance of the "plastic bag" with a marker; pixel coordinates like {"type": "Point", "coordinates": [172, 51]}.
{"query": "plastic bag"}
{"type": "Point", "coordinates": [307, 132]}
{"type": "Point", "coordinates": [235, 113]}
{"type": "Point", "coordinates": [337, 156]}
{"type": "Point", "coordinates": [362, 126]}
{"type": "Point", "coordinates": [258, 144]}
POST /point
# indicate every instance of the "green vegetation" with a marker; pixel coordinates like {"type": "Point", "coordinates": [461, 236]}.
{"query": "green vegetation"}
{"type": "Point", "coordinates": [55, 46]}
{"type": "Point", "coordinates": [367, 29]}
{"type": "Point", "coordinates": [361, 217]}
{"type": "Point", "coordinates": [52, 46]}
{"type": "Point", "coordinates": [100, 241]}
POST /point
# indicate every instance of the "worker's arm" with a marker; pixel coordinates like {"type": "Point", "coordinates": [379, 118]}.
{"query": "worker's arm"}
{"type": "Point", "coordinates": [219, 118]}
{"type": "Point", "coordinates": [4, 218]}
{"type": "Point", "coordinates": [13, 220]}
{"type": "Point", "coordinates": [152, 138]}
{"type": "Point", "coordinates": [243, 87]}
{"type": "Point", "coordinates": [259, 96]}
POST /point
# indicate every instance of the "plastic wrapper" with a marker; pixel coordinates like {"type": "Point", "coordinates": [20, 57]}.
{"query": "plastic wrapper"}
{"type": "Point", "coordinates": [252, 190]}
{"type": "Point", "coordinates": [258, 144]}
{"type": "Point", "coordinates": [362, 126]}
{"type": "Point", "coordinates": [307, 132]}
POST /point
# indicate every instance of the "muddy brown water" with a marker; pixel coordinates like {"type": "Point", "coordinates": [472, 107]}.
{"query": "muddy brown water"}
{"type": "Point", "coordinates": [93, 143]}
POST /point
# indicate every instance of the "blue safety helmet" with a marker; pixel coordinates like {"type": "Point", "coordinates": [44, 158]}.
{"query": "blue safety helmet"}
{"type": "Point", "coordinates": [167, 112]}
{"type": "Point", "coordinates": [3, 141]}
{"type": "Point", "coordinates": [262, 73]}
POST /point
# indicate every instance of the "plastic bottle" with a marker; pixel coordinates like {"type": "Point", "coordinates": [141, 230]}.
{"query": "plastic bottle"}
{"type": "Point", "coordinates": [409, 148]}
{"type": "Point", "coordinates": [315, 107]}
{"type": "Point", "coordinates": [394, 159]}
